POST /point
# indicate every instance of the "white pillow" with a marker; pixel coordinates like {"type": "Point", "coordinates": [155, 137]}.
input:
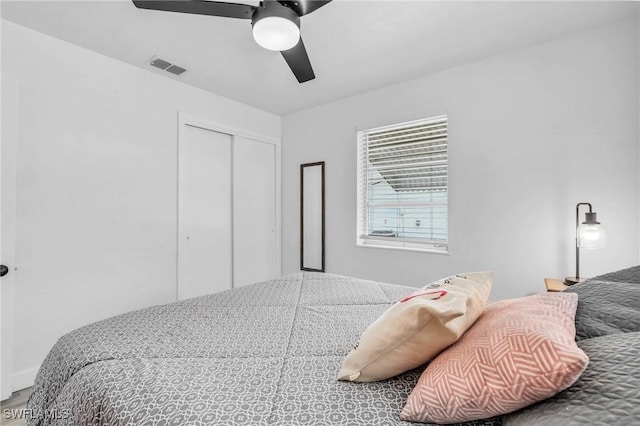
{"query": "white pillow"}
{"type": "Point", "coordinates": [418, 327]}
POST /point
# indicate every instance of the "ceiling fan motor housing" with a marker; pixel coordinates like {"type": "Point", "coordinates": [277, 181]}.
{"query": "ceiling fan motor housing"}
{"type": "Point", "coordinates": [273, 8]}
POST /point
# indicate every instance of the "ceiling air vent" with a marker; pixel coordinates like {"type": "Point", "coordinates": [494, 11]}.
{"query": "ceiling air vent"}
{"type": "Point", "coordinates": [166, 66]}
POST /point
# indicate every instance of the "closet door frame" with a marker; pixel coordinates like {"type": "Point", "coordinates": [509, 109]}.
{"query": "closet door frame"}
{"type": "Point", "coordinates": [185, 119]}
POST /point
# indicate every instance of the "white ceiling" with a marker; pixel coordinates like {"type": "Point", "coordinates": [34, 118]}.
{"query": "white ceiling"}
{"type": "Point", "coordinates": [354, 46]}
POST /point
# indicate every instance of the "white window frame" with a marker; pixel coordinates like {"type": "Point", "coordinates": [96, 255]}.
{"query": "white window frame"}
{"type": "Point", "coordinates": [363, 239]}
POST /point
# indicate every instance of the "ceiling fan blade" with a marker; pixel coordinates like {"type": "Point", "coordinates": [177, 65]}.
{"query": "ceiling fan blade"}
{"type": "Point", "coordinates": [199, 7]}
{"type": "Point", "coordinates": [304, 7]}
{"type": "Point", "coordinates": [298, 61]}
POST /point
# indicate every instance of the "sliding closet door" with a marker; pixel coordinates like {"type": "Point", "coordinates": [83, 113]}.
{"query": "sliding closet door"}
{"type": "Point", "coordinates": [204, 212]}
{"type": "Point", "coordinates": [254, 214]}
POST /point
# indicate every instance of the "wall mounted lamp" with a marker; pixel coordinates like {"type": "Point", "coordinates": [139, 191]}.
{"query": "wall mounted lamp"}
{"type": "Point", "coordinates": [589, 235]}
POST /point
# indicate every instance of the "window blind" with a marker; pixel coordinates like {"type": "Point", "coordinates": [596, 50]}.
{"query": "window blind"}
{"type": "Point", "coordinates": [402, 185]}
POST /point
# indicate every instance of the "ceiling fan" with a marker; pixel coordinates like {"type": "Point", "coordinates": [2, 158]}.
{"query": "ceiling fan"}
{"type": "Point", "coordinates": [276, 24]}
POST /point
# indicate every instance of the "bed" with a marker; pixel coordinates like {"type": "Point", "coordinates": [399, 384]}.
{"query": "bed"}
{"type": "Point", "coordinates": [268, 354]}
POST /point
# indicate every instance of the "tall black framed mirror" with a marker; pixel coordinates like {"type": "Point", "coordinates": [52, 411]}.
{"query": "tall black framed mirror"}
{"type": "Point", "coordinates": [312, 217]}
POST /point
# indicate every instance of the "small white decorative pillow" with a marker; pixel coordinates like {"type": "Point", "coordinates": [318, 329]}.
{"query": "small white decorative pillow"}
{"type": "Point", "coordinates": [418, 327]}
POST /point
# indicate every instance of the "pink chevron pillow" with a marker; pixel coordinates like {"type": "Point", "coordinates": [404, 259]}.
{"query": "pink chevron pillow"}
{"type": "Point", "coordinates": [520, 351]}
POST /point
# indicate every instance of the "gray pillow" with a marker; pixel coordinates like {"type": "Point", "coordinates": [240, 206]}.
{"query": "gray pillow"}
{"type": "Point", "coordinates": [606, 307]}
{"type": "Point", "coordinates": [628, 275]}
{"type": "Point", "coordinates": [607, 393]}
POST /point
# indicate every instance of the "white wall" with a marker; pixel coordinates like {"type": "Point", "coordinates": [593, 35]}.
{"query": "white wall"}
{"type": "Point", "coordinates": [531, 133]}
{"type": "Point", "coordinates": [97, 182]}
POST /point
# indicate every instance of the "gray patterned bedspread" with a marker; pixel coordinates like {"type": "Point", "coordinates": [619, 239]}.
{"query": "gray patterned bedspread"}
{"type": "Point", "coordinates": [262, 354]}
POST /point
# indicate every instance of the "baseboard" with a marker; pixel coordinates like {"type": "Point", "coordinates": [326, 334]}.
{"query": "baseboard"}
{"type": "Point", "coordinates": [23, 379]}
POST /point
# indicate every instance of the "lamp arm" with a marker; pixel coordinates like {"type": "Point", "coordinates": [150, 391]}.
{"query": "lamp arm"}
{"type": "Point", "coordinates": [577, 225]}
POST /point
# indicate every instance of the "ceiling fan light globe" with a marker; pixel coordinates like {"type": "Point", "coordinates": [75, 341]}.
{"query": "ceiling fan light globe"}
{"type": "Point", "coordinates": [276, 33]}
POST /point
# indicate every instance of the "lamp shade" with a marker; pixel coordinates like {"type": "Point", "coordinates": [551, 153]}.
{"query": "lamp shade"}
{"type": "Point", "coordinates": [591, 234]}
{"type": "Point", "coordinates": [276, 33]}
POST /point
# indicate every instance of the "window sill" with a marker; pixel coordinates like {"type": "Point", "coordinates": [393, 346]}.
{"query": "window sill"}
{"type": "Point", "coordinates": [416, 249]}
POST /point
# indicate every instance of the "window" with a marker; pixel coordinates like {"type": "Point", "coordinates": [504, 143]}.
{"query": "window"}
{"type": "Point", "coordinates": [402, 186]}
